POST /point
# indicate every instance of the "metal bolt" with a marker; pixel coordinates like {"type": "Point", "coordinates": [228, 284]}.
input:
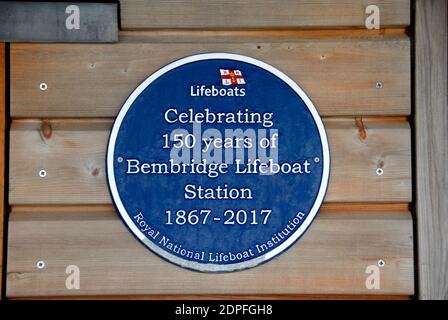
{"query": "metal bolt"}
{"type": "Point", "coordinates": [120, 159]}
{"type": "Point", "coordinates": [379, 171]}
{"type": "Point", "coordinates": [40, 264]}
{"type": "Point", "coordinates": [42, 173]}
{"type": "Point", "coordinates": [316, 159]}
{"type": "Point", "coordinates": [379, 85]}
{"type": "Point", "coordinates": [43, 86]}
{"type": "Point", "coordinates": [381, 263]}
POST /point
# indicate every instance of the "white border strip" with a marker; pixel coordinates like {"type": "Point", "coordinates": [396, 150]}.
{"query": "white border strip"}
{"type": "Point", "coordinates": [213, 267]}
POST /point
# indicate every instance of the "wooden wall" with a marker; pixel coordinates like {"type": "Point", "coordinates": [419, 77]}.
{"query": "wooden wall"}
{"type": "Point", "coordinates": [67, 218]}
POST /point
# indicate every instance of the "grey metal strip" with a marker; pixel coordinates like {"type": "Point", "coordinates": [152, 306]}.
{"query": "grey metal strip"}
{"type": "Point", "coordinates": [58, 22]}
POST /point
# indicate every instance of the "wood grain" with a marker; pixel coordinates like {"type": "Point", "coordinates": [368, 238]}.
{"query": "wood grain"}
{"type": "Point", "coordinates": [73, 154]}
{"type": "Point", "coordinates": [258, 14]}
{"type": "Point", "coordinates": [93, 80]}
{"type": "Point", "coordinates": [2, 154]}
{"type": "Point", "coordinates": [330, 259]}
{"type": "Point", "coordinates": [431, 132]}
{"type": "Point", "coordinates": [254, 35]}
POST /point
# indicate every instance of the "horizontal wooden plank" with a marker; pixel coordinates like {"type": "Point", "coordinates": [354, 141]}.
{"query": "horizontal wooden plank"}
{"type": "Point", "coordinates": [93, 80]}
{"type": "Point", "coordinates": [331, 258]}
{"type": "Point", "coordinates": [258, 14]}
{"type": "Point", "coordinates": [73, 154]}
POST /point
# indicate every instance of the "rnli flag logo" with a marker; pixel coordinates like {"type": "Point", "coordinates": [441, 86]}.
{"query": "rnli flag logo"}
{"type": "Point", "coordinates": [231, 77]}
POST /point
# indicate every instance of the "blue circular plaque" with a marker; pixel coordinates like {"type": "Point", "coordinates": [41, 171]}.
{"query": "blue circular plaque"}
{"type": "Point", "coordinates": [218, 162]}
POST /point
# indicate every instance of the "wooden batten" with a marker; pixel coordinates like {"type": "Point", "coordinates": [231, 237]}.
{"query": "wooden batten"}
{"type": "Point", "coordinates": [72, 153]}
{"type": "Point", "coordinates": [93, 80]}
{"type": "Point", "coordinates": [331, 258]}
{"type": "Point", "coordinates": [431, 146]}
{"type": "Point", "coordinates": [260, 14]}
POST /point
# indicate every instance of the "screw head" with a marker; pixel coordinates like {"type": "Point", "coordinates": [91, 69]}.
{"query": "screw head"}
{"type": "Point", "coordinates": [40, 264]}
{"type": "Point", "coordinates": [43, 86]}
{"type": "Point", "coordinates": [379, 171]}
{"type": "Point", "coordinates": [120, 159]}
{"type": "Point", "coordinates": [379, 85]}
{"type": "Point", "coordinates": [381, 263]}
{"type": "Point", "coordinates": [42, 173]}
{"type": "Point", "coordinates": [316, 160]}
